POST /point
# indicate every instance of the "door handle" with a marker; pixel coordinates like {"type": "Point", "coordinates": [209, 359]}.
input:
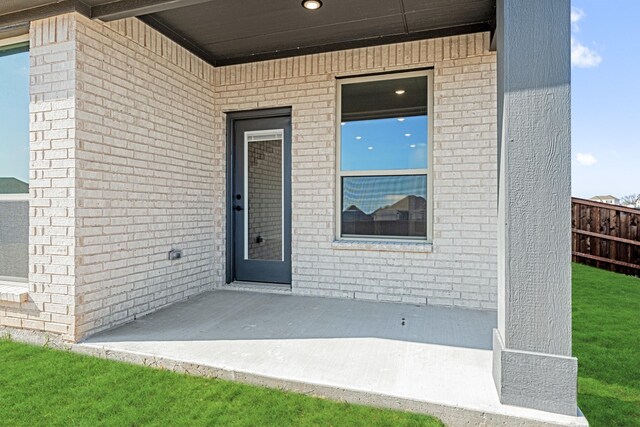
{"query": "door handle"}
{"type": "Point", "coordinates": [237, 208]}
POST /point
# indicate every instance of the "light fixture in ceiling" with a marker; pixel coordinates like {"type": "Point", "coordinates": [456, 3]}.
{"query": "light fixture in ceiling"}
{"type": "Point", "coordinates": [312, 4]}
{"type": "Point", "coordinates": [400, 92]}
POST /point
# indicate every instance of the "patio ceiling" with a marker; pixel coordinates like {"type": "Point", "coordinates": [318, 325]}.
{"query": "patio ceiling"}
{"type": "Point", "coordinates": [227, 32]}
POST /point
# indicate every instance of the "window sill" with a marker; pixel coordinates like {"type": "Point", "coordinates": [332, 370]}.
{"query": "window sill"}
{"type": "Point", "coordinates": [383, 246]}
{"type": "Point", "coordinates": [15, 292]}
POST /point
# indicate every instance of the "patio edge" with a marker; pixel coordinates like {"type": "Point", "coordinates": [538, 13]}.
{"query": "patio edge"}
{"type": "Point", "coordinates": [450, 415]}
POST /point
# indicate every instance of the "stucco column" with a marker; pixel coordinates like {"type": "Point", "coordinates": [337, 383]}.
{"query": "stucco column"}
{"type": "Point", "coordinates": [532, 364]}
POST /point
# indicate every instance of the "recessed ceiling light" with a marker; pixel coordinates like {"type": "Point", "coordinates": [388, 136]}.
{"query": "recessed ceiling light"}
{"type": "Point", "coordinates": [358, 137]}
{"type": "Point", "coordinates": [342, 124]}
{"type": "Point", "coordinates": [312, 4]}
{"type": "Point", "coordinates": [370, 148]}
{"type": "Point", "coordinates": [399, 91]}
{"type": "Point", "coordinates": [407, 134]}
{"type": "Point", "coordinates": [413, 146]}
{"type": "Point", "coordinates": [401, 120]}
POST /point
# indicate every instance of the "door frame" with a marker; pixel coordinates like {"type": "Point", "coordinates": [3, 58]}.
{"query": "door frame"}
{"type": "Point", "coordinates": [232, 116]}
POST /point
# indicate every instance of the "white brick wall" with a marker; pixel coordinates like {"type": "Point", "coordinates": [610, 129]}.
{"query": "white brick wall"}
{"type": "Point", "coordinates": [128, 161]}
{"type": "Point", "coordinates": [461, 270]}
{"type": "Point", "coordinates": [145, 168]}
{"type": "Point", "coordinates": [122, 170]}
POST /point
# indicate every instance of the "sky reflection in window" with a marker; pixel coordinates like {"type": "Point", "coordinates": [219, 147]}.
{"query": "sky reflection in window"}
{"type": "Point", "coordinates": [14, 115]}
{"type": "Point", "coordinates": [384, 144]}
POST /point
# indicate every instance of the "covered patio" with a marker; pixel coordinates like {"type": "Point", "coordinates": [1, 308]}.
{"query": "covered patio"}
{"type": "Point", "coordinates": [148, 209]}
{"type": "Point", "coordinates": [435, 360]}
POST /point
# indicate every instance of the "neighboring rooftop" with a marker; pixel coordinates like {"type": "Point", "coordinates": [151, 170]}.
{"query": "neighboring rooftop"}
{"type": "Point", "coordinates": [13, 186]}
{"type": "Point", "coordinates": [602, 198]}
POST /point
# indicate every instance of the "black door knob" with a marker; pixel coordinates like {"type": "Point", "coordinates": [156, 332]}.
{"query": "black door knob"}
{"type": "Point", "coordinates": [237, 208]}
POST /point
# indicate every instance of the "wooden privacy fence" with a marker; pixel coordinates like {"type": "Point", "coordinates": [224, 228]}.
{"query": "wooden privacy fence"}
{"type": "Point", "coordinates": [606, 236]}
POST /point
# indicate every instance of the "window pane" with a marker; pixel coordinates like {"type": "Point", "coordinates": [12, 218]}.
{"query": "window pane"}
{"type": "Point", "coordinates": [384, 205]}
{"type": "Point", "coordinates": [384, 144]}
{"type": "Point", "coordinates": [14, 239]}
{"type": "Point", "coordinates": [384, 125]}
{"type": "Point", "coordinates": [264, 233]}
{"type": "Point", "coordinates": [14, 162]}
{"type": "Point", "coordinates": [14, 115]}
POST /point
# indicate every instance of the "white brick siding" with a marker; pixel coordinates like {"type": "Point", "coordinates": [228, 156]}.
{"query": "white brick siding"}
{"type": "Point", "coordinates": [460, 269]}
{"type": "Point", "coordinates": [122, 170]}
{"type": "Point", "coordinates": [128, 161]}
{"type": "Point", "coordinates": [145, 168]}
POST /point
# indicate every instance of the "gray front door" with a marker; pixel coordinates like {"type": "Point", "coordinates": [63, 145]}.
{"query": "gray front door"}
{"type": "Point", "coordinates": [261, 199]}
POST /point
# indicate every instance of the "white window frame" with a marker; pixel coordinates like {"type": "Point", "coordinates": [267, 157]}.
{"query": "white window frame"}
{"type": "Point", "coordinates": [428, 74]}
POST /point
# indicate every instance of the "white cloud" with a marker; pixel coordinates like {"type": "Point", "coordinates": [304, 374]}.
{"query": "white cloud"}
{"type": "Point", "coordinates": [576, 15]}
{"type": "Point", "coordinates": [585, 159]}
{"type": "Point", "coordinates": [583, 56]}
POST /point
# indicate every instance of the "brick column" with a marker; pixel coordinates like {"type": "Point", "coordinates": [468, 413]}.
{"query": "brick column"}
{"type": "Point", "coordinates": [51, 304]}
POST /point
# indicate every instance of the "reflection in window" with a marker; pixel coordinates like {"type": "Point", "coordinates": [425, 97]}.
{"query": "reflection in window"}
{"type": "Point", "coordinates": [384, 205]}
{"type": "Point", "coordinates": [264, 199]}
{"type": "Point", "coordinates": [384, 144]}
{"type": "Point", "coordinates": [14, 162]}
{"type": "Point", "coordinates": [384, 157]}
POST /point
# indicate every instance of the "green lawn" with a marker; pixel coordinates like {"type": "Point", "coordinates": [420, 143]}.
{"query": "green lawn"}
{"type": "Point", "coordinates": [606, 341]}
{"type": "Point", "coordinates": [44, 387]}
{"type": "Point", "coordinates": [48, 387]}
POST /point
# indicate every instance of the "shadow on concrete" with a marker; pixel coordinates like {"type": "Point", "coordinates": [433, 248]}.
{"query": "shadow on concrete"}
{"type": "Point", "coordinates": [223, 315]}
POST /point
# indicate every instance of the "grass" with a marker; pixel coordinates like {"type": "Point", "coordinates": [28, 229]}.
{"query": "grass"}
{"type": "Point", "coordinates": [40, 386]}
{"type": "Point", "coordinates": [45, 387]}
{"type": "Point", "coordinates": [606, 341]}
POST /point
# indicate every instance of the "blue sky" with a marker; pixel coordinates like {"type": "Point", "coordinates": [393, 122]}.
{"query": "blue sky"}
{"type": "Point", "coordinates": [605, 98]}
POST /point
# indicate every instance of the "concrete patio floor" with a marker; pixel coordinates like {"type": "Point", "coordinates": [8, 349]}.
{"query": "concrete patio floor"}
{"type": "Point", "coordinates": [426, 359]}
